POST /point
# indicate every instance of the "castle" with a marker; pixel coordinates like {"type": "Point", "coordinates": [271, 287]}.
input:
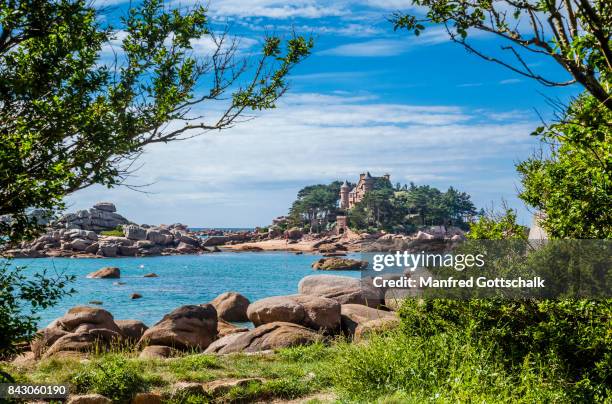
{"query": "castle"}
{"type": "Point", "coordinates": [350, 197]}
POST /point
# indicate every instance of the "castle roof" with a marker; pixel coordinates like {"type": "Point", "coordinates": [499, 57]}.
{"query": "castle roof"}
{"type": "Point", "coordinates": [345, 185]}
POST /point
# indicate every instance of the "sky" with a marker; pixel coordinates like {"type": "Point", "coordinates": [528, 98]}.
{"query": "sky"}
{"type": "Point", "coordinates": [368, 99]}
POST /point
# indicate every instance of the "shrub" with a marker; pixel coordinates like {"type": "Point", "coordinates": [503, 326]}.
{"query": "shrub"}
{"type": "Point", "coordinates": [21, 297]}
{"type": "Point", "coordinates": [112, 376]}
{"type": "Point", "coordinates": [446, 367]}
{"type": "Point", "coordinates": [116, 232]}
{"type": "Point", "coordinates": [572, 335]}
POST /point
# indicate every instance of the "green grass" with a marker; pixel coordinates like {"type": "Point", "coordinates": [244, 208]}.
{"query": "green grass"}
{"type": "Point", "coordinates": [116, 232]}
{"type": "Point", "coordinates": [443, 353]}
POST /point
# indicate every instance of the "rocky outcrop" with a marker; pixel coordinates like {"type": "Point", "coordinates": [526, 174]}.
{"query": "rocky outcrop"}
{"type": "Point", "coordinates": [343, 289]}
{"type": "Point", "coordinates": [354, 315]}
{"type": "Point", "coordinates": [106, 273]}
{"type": "Point", "coordinates": [339, 264]}
{"type": "Point", "coordinates": [134, 232]}
{"type": "Point", "coordinates": [102, 216]}
{"type": "Point", "coordinates": [318, 313]}
{"type": "Point", "coordinates": [81, 329]}
{"type": "Point", "coordinates": [83, 341]}
{"type": "Point", "coordinates": [188, 327]}
{"type": "Point", "coordinates": [424, 236]}
{"type": "Point", "coordinates": [231, 306]}
{"type": "Point", "coordinates": [105, 206]}
{"type": "Point", "coordinates": [268, 336]}
{"type": "Point", "coordinates": [81, 234]}
{"type": "Point", "coordinates": [294, 233]}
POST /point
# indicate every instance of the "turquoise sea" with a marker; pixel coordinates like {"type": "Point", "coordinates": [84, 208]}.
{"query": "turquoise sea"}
{"type": "Point", "coordinates": [183, 279]}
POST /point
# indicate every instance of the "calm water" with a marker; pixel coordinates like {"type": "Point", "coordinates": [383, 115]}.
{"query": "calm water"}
{"type": "Point", "coordinates": [183, 279]}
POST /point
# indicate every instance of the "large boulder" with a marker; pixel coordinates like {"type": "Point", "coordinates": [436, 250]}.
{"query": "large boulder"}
{"type": "Point", "coordinates": [315, 312]}
{"type": "Point", "coordinates": [339, 264]}
{"type": "Point", "coordinates": [231, 306]}
{"type": "Point", "coordinates": [268, 336]}
{"type": "Point", "coordinates": [134, 232]}
{"type": "Point", "coordinates": [226, 328]}
{"type": "Point", "coordinates": [214, 241]}
{"type": "Point", "coordinates": [131, 329]}
{"type": "Point", "coordinates": [82, 234]}
{"type": "Point", "coordinates": [343, 289]}
{"type": "Point", "coordinates": [106, 273]}
{"type": "Point", "coordinates": [105, 206]}
{"type": "Point", "coordinates": [158, 237]}
{"type": "Point", "coordinates": [107, 250]}
{"type": "Point", "coordinates": [45, 338]}
{"type": "Point", "coordinates": [128, 251]}
{"type": "Point", "coordinates": [294, 233]}
{"type": "Point", "coordinates": [86, 317]}
{"type": "Point", "coordinates": [83, 341]}
{"type": "Point", "coordinates": [185, 248]}
{"type": "Point", "coordinates": [353, 315]}
{"type": "Point", "coordinates": [80, 244]}
{"type": "Point", "coordinates": [78, 320]}
{"type": "Point", "coordinates": [223, 341]}
{"type": "Point", "coordinates": [94, 219]}
{"type": "Point", "coordinates": [188, 327]}
{"type": "Point", "coordinates": [187, 239]}
{"type": "Point", "coordinates": [81, 329]}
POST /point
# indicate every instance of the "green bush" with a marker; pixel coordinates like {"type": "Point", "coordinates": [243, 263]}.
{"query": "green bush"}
{"type": "Point", "coordinates": [446, 367]}
{"type": "Point", "coordinates": [112, 376]}
{"type": "Point", "coordinates": [573, 336]}
{"type": "Point", "coordinates": [116, 232]}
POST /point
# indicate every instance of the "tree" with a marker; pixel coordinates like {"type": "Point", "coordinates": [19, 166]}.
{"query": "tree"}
{"type": "Point", "coordinates": [70, 118]}
{"type": "Point", "coordinates": [457, 205]}
{"type": "Point", "coordinates": [573, 33]}
{"type": "Point", "coordinates": [20, 298]}
{"type": "Point", "coordinates": [314, 204]}
{"type": "Point", "coordinates": [573, 185]}
{"type": "Point", "coordinates": [497, 226]}
{"type": "Point", "coordinates": [425, 201]}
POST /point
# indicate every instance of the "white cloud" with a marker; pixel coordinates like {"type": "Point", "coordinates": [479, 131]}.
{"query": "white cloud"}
{"type": "Point", "coordinates": [510, 81]}
{"type": "Point", "coordinates": [246, 175]}
{"type": "Point", "coordinates": [470, 85]}
{"type": "Point", "coordinates": [389, 47]}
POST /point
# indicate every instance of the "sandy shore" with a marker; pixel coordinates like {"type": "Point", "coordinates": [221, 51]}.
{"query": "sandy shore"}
{"type": "Point", "coordinates": [275, 245]}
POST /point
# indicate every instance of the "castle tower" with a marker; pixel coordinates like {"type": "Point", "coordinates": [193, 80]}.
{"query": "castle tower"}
{"type": "Point", "coordinates": [344, 196]}
{"type": "Point", "coordinates": [368, 184]}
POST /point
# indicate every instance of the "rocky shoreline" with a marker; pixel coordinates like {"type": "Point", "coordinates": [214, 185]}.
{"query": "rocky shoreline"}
{"type": "Point", "coordinates": [325, 306]}
{"type": "Point", "coordinates": [102, 232]}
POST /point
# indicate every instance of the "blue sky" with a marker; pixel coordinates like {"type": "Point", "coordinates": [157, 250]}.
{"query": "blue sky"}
{"type": "Point", "coordinates": [368, 98]}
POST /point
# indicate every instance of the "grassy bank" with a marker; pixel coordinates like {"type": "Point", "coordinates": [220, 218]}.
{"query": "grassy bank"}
{"type": "Point", "coordinates": [444, 351]}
